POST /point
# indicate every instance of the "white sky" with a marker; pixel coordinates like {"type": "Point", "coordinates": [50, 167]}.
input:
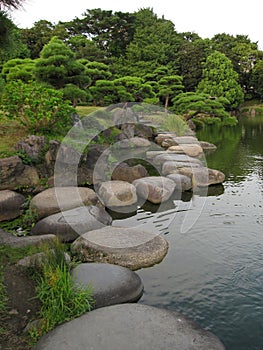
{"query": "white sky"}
{"type": "Point", "coordinates": [204, 17]}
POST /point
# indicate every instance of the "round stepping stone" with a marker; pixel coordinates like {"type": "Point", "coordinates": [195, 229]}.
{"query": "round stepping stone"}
{"type": "Point", "coordinates": [70, 224]}
{"type": "Point", "coordinates": [10, 204]}
{"type": "Point", "coordinates": [128, 247]}
{"type": "Point", "coordinates": [111, 284]}
{"type": "Point", "coordinates": [130, 327]}
{"type": "Point", "coordinates": [56, 199]}
{"type": "Point", "coordinates": [156, 189]}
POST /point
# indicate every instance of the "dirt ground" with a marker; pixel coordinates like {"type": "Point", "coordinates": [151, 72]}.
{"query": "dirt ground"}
{"type": "Point", "coordinates": [22, 307]}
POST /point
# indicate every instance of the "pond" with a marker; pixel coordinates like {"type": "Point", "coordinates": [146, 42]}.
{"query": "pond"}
{"type": "Point", "coordinates": [213, 271]}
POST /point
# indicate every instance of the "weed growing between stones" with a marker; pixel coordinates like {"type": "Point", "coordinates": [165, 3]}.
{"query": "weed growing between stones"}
{"type": "Point", "coordinates": [61, 301]}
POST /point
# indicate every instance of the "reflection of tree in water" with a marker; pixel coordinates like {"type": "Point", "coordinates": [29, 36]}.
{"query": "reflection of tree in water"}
{"type": "Point", "coordinates": [236, 147]}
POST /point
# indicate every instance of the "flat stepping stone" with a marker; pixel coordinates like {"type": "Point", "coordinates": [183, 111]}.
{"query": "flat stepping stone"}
{"type": "Point", "coordinates": [10, 204]}
{"type": "Point", "coordinates": [111, 284]}
{"type": "Point", "coordinates": [155, 189]}
{"type": "Point", "coordinates": [207, 146]}
{"type": "Point", "coordinates": [71, 224]}
{"type": "Point", "coordinates": [203, 177]}
{"type": "Point", "coordinates": [130, 327]}
{"type": "Point", "coordinates": [19, 242]}
{"type": "Point", "coordinates": [174, 157]}
{"type": "Point", "coordinates": [183, 182]}
{"type": "Point", "coordinates": [56, 199]}
{"type": "Point", "coordinates": [128, 247]}
{"type": "Point", "coordinates": [191, 150]}
{"type": "Point", "coordinates": [171, 166]}
{"type": "Point", "coordinates": [133, 142]}
{"type": "Point", "coordinates": [117, 193]}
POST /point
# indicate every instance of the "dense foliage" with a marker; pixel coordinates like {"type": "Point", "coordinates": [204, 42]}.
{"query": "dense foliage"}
{"type": "Point", "coordinates": [105, 58]}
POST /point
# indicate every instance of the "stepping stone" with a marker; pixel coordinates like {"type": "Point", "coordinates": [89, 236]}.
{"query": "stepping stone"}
{"type": "Point", "coordinates": [19, 242]}
{"type": "Point", "coordinates": [111, 284]}
{"type": "Point", "coordinates": [124, 246]}
{"type": "Point", "coordinates": [133, 142]}
{"type": "Point", "coordinates": [117, 193]}
{"type": "Point", "coordinates": [130, 327]}
{"type": "Point", "coordinates": [203, 177]}
{"type": "Point", "coordinates": [56, 199]}
{"type": "Point", "coordinates": [155, 189]}
{"type": "Point", "coordinates": [182, 182]}
{"type": "Point", "coordinates": [191, 150]}
{"type": "Point", "coordinates": [173, 157]}
{"type": "Point", "coordinates": [171, 167]}
{"type": "Point", "coordinates": [10, 204]}
{"type": "Point", "coordinates": [127, 173]}
{"type": "Point", "coordinates": [71, 224]}
{"type": "Point", "coordinates": [207, 146]}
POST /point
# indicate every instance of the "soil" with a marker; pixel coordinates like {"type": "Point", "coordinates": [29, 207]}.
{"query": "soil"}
{"type": "Point", "coordinates": [22, 308]}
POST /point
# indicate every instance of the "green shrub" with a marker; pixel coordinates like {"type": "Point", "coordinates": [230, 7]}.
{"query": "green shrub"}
{"type": "Point", "coordinates": [38, 107]}
{"type": "Point", "coordinates": [175, 123]}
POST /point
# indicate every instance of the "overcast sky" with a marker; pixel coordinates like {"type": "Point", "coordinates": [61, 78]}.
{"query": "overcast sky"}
{"type": "Point", "coordinates": [204, 17]}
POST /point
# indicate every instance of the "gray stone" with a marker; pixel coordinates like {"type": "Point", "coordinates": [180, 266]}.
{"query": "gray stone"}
{"type": "Point", "coordinates": [171, 167]}
{"type": "Point", "coordinates": [203, 177]}
{"type": "Point", "coordinates": [183, 182]}
{"type": "Point", "coordinates": [133, 142]}
{"type": "Point", "coordinates": [207, 146]}
{"type": "Point", "coordinates": [111, 284]}
{"type": "Point", "coordinates": [19, 242]}
{"type": "Point", "coordinates": [33, 146]}
{"type": "Point", "coordinates": [156, 189]}
{"type": "Point", "coordinates": [173, 157]}
{"type": "Point", "coordinates": [13, 174]}
{"type": "Point", "coordinates": [117, 193]}
{"type": "Point", "coordinates": [124, 172]}
{"type": "Point", "coordinates": [160, 138]}
{"type": "Point", "coordinates": [56, 199]}
{"type": "Point", "coordinates": [128, 247]}
{"type": "Point", "coordinates": [70, 224]}
{"type": "Point", "coordinates": [10, 204]}
{"type": "Point", "coordinates": [130, 327]}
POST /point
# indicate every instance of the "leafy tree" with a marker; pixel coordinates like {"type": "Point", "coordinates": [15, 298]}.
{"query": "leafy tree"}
{"type": "Point", "coordinates": [76, 95]}
{"type": "Point", "coordinates": [97, 71]}
{"type": "Point", "coordinates": [192, 53]}
{"type": "Point", "coordinates": [19, 69]}
{"type": "Point", "coordinates": [58, 66]}
{"type": "Point", "coordinates": [11, 4]}
{"type": "Point", "coordinates": [219, 79]}
{"type": "Point", "coordinates": [202, 108]}
{"type": "Point", "coordinates": [257, 79]}
{"type": "Point", "coordinates": [170, 86]}
{"type": "Point", "coordinates": [104, 93]}
{"type": "Point", "coordinates": [36, 106]}
{"type": "Point", "coordinates": [85, 48]}
{"type": "Point", "coordinates": [11, 45]}
{"type": "Point", "coordinates": [133, 89]}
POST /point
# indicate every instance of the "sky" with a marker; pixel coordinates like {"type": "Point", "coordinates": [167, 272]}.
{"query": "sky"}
{"type": "Point", "coordinates": [204, 17]}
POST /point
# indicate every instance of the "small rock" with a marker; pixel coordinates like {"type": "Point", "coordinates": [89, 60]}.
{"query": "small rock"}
{"type": "Point", "coordinates": [124, 172]}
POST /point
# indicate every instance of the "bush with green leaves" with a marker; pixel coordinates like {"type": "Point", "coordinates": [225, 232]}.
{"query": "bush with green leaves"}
{"type": "Point", "coordinates": [39, 108]}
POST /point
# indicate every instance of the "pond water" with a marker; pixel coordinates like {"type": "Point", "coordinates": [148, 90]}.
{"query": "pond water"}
{"type": "Point", "coordinates": [213, 271]}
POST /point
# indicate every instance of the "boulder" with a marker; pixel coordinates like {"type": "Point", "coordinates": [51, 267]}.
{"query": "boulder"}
{"type": "Point", "coordinates": [156, 189]}
{"type": "Point", "coordinates": [207, 146]}
{"type": "Point", "coordinates": [71, 224]}
{"type": "Point", "coordinates": [33, 146]}
{"type": "Point", "coordinates": [171, 167]}
{"type": "Point", "coordinates": [56, 199]}
{"type": "Point", "coordinates": [191, 150]}
{"type": "Point", "coordinates": [160, 138]}
{"type": "Point", "coordinates": [124, 172]}
{"type": "Point", "coordinates": [13, 174]}
{"type": "Point", "coordinates": [182, 182]}
{"type": "Point", "coordinates": [130, 327]}
{"type": "Point", "coordinates": [117, 193]}
{"type": "Point", "coordinates": [10, 204]}
{"type": "Point", "coordinates": [133, 248]}
{"type": "Point", "coordinates": [111, 284]}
